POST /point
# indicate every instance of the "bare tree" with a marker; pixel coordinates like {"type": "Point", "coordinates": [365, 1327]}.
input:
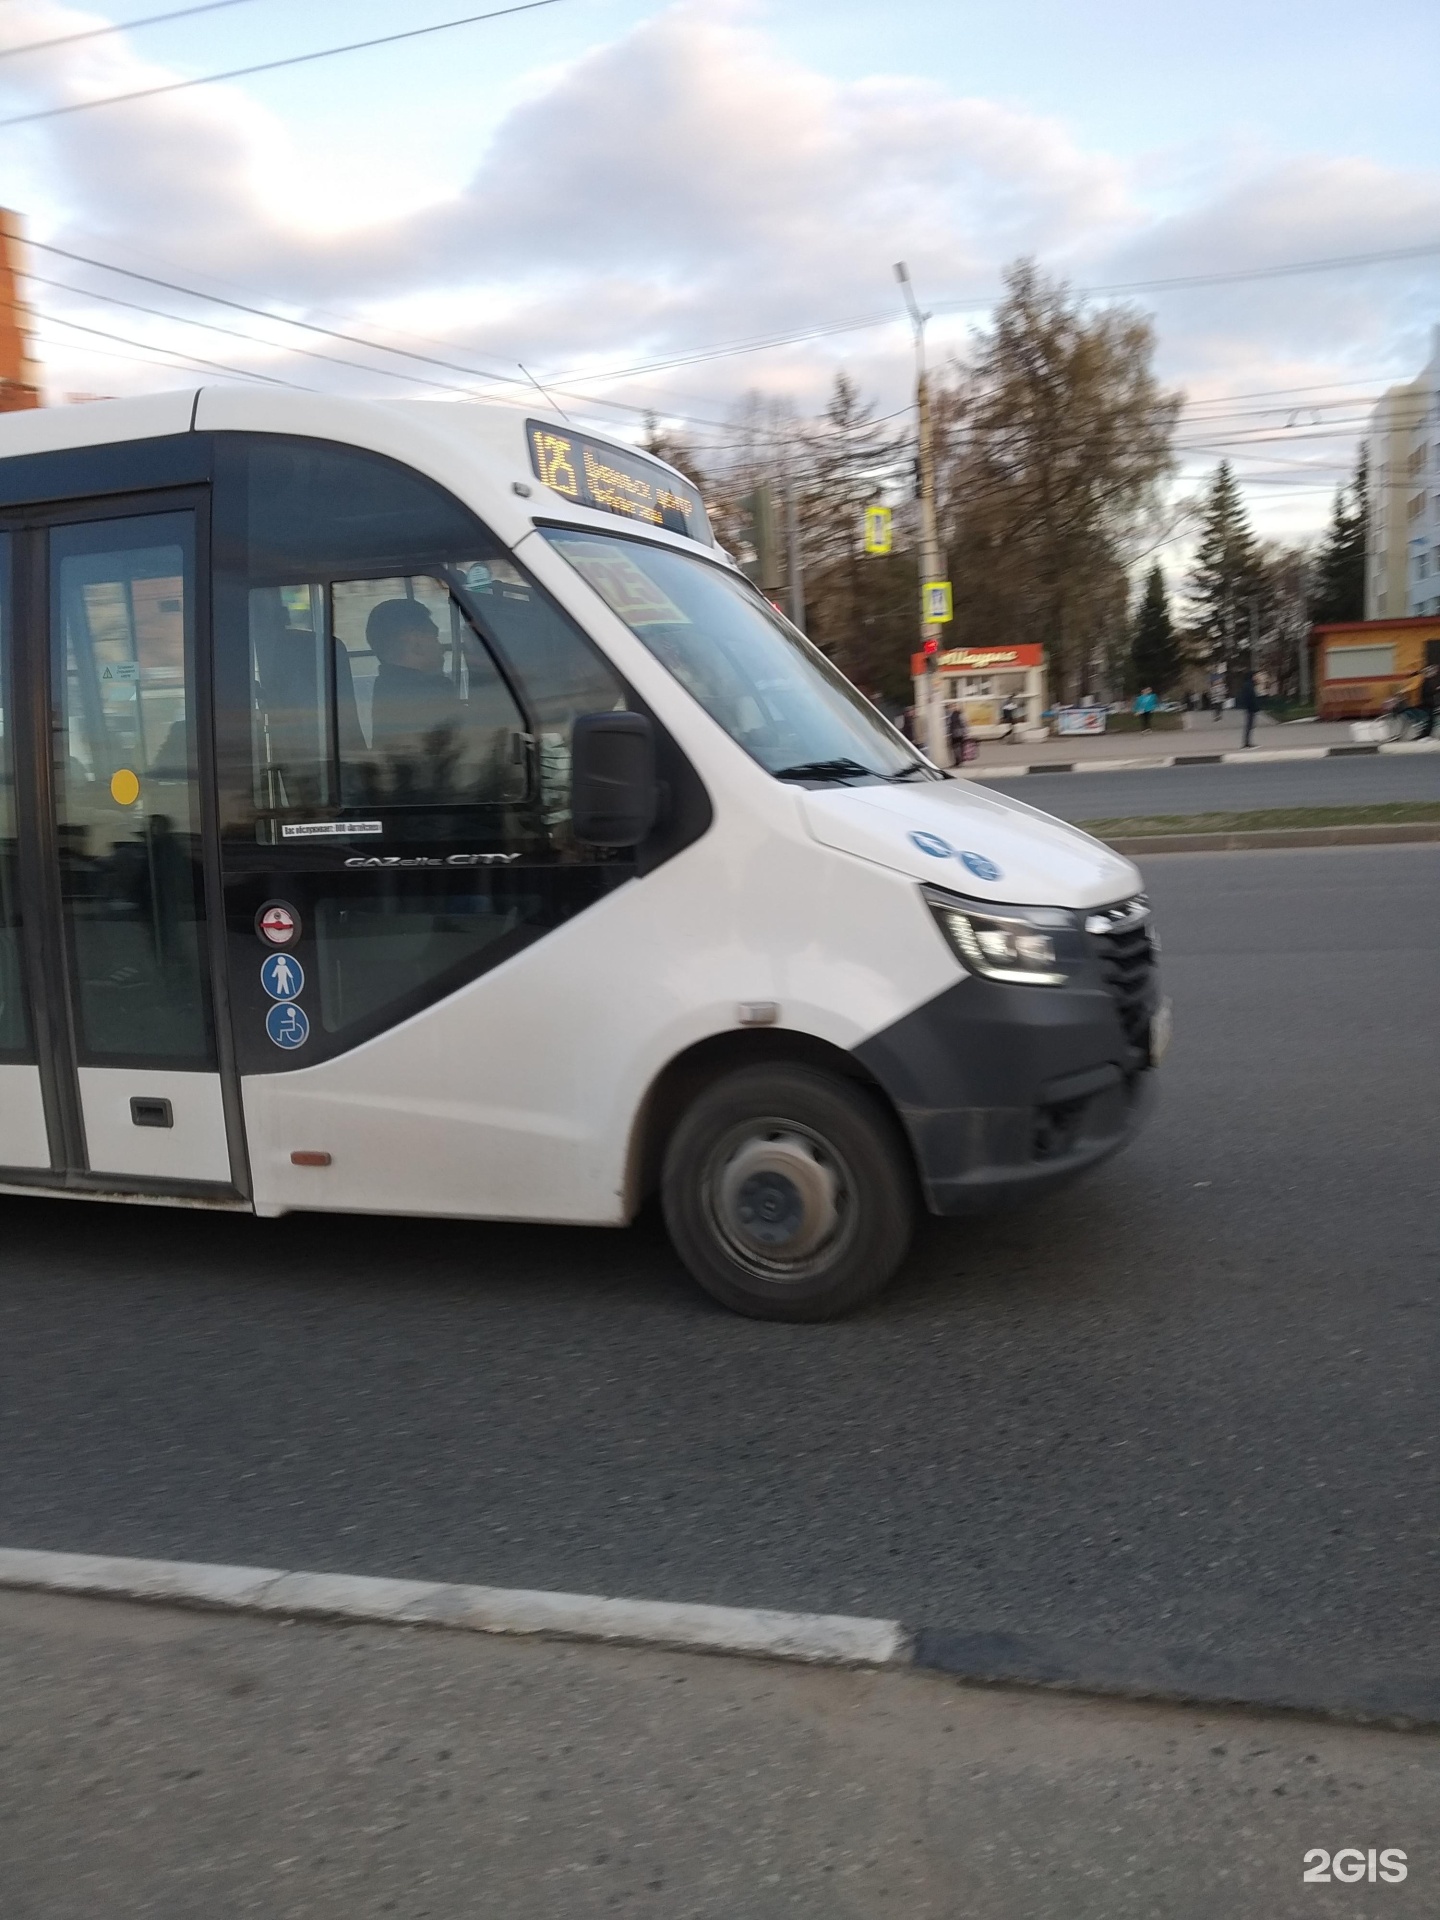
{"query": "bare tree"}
{"type": "Point", "coordinates": [1055, 439]}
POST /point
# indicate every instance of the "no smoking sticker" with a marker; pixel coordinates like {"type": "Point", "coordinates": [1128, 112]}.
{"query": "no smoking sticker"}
{"type": "Point", "coordinates": [278, 924]}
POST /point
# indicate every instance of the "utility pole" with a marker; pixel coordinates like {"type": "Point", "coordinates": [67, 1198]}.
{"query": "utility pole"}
{"type": "Point", "coordinates": [794, 566]}
{"type": "Point", "coordinates": [934, 713]}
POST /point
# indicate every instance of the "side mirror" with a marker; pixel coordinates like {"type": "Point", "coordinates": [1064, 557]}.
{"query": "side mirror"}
{"type": "Point", "coordinates": [614, 795]}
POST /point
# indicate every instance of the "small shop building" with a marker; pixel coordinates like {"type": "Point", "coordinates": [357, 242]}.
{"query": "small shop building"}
{"type": "Point", "coordinates": [979, 680]}
{"type": "Point", "coordinates": [1357, 665]}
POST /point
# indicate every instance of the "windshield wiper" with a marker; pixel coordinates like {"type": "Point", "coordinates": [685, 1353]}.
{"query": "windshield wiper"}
{"type": "Point", "coordinates": [826, 770]}
{"type": "Point", "coordinates": [916, 769]}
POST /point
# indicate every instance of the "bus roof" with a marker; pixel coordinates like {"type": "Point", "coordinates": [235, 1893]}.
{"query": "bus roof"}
{"type": "Point", "coordinates": [479, 449]}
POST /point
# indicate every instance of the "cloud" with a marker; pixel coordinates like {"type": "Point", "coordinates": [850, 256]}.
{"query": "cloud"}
{"type": "Point", "coordinates": [689, 184]}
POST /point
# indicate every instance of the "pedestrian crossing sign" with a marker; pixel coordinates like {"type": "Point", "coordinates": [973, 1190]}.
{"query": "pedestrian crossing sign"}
{"type": "Point", "coordinates": [879, 530]}
{"type": "Point", "coordinates": [939, 605]}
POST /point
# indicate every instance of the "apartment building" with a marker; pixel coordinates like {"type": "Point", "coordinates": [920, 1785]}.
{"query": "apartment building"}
{"type": "Point", "coordinates": [1402, 561]}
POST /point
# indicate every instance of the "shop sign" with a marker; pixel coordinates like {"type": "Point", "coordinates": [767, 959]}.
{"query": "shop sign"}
{"type": "Point", "coordinates": [990, 659]}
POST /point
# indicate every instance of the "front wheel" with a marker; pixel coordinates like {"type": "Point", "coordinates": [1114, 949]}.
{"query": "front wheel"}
{"type": "Point", "coordinates": [787, 1193]}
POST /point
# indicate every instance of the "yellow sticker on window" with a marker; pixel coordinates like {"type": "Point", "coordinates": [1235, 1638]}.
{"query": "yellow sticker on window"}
{"type": "Point", "coordinates": [624, 586]}
{"type": "Point", "coordinates": [124, 788]}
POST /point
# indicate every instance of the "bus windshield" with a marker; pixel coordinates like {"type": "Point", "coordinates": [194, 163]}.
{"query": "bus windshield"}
{"type": "Point", "coordinates": [772, 691]}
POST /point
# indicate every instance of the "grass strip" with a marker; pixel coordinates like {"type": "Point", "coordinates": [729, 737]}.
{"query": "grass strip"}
{"type": "Point", "coordinates": [1391, 813]}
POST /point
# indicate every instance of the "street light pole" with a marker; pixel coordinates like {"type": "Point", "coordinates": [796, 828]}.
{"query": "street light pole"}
{"type": "Point", "coordinates": [934, 727]}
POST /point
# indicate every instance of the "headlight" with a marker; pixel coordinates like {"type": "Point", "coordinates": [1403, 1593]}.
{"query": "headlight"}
{"type": "Point", "coordinates": [1025, 945]}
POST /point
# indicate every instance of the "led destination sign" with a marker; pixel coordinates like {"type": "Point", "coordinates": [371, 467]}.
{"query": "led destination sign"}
{"type": "Point", "coordinates": [615, 480]}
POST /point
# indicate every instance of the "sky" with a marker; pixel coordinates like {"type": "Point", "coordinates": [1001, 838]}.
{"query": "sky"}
{"type": "Point", "coordinates": [664, 206]}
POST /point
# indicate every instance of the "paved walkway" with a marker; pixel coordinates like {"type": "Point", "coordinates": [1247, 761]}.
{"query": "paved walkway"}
{"type": "Point", "coordinates": [171, 1764]}
{"type": "Point", "coordinates": [1200, 734]}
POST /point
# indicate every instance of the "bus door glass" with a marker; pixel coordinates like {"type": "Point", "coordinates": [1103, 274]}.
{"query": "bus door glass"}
{"type": "Point", "coordinates": [127, 834]}
{"type": "Point", "coordinates": [23, 1138]}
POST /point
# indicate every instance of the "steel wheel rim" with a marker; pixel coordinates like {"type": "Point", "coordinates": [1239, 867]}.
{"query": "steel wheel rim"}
{"type": "Point", "coordinates": [779, 1198]}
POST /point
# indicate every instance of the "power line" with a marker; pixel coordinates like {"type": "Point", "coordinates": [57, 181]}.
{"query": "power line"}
{"type": "Point", "coordinates": [124, 26]}
{"type": "Point", "coordinates": [562, 382]}
{"type": "Point", "coordinates": [353, 339]}
{"type": "Point", "coordinates": [235, 333]}
{"type": "Point", "coordinates": [271, 66]}
{"type": "Point", "coordinates": [174, 355]}
{"type": "Point", "coordinates": [798, 336]}
{"type": "Point", "coordinates": [280, 319]}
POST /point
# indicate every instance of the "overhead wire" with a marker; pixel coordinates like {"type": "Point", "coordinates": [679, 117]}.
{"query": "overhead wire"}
{"type": "Point", "coordinates": [123, 26]}
{"type": "Point", "coordinates": [563, 383]}
{"type": "Point", "coordinates": [271, 66]}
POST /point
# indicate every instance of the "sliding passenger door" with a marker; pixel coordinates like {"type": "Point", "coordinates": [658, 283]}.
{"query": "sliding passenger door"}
{"type": "Point", "coordinates": [123, 968]}
{"type": "Point", "coordinates": [23, 1141]}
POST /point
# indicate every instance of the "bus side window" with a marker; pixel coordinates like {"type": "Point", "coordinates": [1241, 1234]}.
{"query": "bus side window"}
{"type": "Point", "coordinates": [560, 675]}
{"type": "Point", "coordinates": [436, 724]}
{"type": "Point", "coordinates": [290, 743]}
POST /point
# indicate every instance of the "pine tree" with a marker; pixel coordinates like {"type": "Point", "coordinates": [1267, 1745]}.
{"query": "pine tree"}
{"type": "Point", "coordinates": [1340, 570]}
{"type": "Point", "coordinates": [1227, 575]}
{"type": "Point", "coordinates": [1154, 653]}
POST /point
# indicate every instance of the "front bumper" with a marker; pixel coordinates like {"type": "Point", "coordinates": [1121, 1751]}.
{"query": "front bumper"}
{"type": "Point", "coordinates": [1008, 1089]}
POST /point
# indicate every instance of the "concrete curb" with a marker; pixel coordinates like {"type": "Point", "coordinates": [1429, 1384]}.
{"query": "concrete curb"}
{"type": "Point", "coordinates": [1400, 834]}
{"type": "Point", "coordinates": [821, 1639]}
{"type": "Point", "coordinates": [815, 1639]}
{"type": "Point", "coordinates": [1241, 757]}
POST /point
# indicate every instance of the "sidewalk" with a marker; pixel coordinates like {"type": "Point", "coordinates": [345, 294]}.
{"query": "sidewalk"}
{"type": "Point", "coordinates": [1200, 734]}
{"type": "Point", "coordinates": [171, 1764]}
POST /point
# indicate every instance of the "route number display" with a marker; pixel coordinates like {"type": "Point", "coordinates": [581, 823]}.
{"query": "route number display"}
{"type": "Point", "coordinates": [615, 480]}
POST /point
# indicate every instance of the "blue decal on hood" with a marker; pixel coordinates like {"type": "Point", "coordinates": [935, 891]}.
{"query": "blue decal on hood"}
{"type": "Point", "coordinates": [932, 843]}
{"type": "Point", "coordinates": [982, 868]}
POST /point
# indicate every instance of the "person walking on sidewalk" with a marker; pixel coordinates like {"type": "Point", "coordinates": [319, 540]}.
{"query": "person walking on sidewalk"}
{"type": "Point", "coordinates": [1249, 705]}
{"type": "Point", "coordinates": [1427, 699]}
{"type": "Point", "coordinates": [1145, 705]}
{"type": "Point", "coordinates": [957, 735]}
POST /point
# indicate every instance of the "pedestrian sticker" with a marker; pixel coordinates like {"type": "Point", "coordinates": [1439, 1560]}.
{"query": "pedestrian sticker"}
{"type": "Point", "coordinates": [282, 977]}
{"type": "Point", "coordinates": [982, 868]}
{"type": "Point", "coordinates": [278, 923]}
{"type": "Point", "coordinates": [287, 1026]}
{"type": "Point", "coordinates": [939, 603]}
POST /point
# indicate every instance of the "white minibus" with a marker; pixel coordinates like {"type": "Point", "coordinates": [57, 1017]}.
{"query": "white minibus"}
{"type": "Point", "coordinates": [409, 809]}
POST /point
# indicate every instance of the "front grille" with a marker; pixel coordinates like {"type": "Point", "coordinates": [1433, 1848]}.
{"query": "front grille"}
{"type": "Point", "coordinates": [1126, 948]}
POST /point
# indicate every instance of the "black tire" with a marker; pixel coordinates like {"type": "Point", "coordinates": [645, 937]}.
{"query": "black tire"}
{"type": "Point", "coordinates": [788, 1193]}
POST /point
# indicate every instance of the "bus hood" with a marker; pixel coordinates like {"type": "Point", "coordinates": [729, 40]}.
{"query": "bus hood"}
{"type": "Point", "coordinates": [971, 840]}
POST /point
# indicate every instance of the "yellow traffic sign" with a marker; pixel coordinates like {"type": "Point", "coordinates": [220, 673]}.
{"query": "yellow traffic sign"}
{"type": "Point", "coordinates": [879, 530]}
{"type": "Point", "coordinates": [939, 603]}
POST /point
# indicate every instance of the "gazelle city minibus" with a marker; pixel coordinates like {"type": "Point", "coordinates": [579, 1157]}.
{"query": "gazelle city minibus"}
{"type": "Point", "coordinates": [408, 808]}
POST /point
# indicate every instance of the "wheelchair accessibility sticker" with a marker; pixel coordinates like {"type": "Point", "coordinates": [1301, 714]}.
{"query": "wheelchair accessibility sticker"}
{"type": "Point", "coordinates": [287, 1026]}
{"type": "Point", "coordinates": [282, 977]}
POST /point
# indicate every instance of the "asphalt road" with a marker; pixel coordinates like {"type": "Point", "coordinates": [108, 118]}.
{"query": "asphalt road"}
{"type": "Point", "coordinates": [1188, 1404]}
{"type": "Point", "coordinates": [1365, 781]}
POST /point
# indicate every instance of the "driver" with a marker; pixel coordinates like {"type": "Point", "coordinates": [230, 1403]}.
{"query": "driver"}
{"type": "Point", "coordinates": [412, 695]}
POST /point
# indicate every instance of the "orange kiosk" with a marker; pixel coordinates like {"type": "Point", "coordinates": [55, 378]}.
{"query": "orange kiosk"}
{"type": "Point", "coordinates": [1357, 665]}
{"type": "Point", "coordinates": [981, 679]}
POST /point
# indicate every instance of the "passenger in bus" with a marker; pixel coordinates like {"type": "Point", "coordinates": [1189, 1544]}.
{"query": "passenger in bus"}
{"type": "Point", "coordinates": [412, 694]}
